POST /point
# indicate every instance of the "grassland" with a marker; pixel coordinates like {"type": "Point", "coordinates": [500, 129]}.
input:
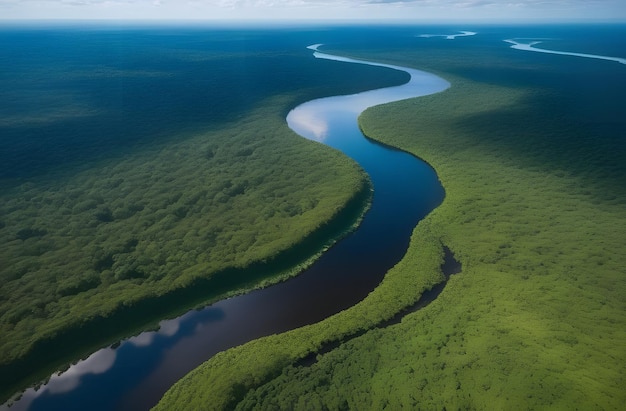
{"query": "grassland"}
{"type": "Point", "coordinates": [533, 160]}
{"type": "Point", "coordinates": [99, 247]}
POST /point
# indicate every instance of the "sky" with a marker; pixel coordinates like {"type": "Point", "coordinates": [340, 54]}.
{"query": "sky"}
{"type": "Point", "coordinates": [435, 11]}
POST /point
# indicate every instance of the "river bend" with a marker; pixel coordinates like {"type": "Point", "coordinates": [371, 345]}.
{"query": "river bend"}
{"type": "Point", "coordinates": [135, 374]}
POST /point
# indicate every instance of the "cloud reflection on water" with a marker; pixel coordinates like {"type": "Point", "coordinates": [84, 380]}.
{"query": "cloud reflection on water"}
{"type": "Point", "coordinates": [307, 122]}
{"type": "Point", "coordinates": [167, 328]}
{"type": "Point", "coordinates": [310, 119]}
{"type": "Point", "coordinates": [97, 363]}
{"type": "Point", "coordinates": [66, 381]}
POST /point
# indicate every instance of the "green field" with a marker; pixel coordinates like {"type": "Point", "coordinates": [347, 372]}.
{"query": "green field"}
{"type": "Point", "coordinates": [530, 151]}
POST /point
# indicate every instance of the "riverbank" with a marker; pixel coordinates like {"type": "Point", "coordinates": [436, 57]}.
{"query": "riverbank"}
{"type": "Point", "coordinates": [390, 219]}
{"type": "Point", "coordinates": [538, 311]}
{"type": "Point", "coordinates": [534, 212]}
{"type": "Point", "coordinates": [109, 321]}
{"type": "Point", "coordinates": [112, 211]}
{"type": "Point", "coordinates": [313, 120]}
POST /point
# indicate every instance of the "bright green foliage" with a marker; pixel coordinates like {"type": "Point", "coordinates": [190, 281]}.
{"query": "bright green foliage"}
{"type": "Point", "coordinates": [535, 211]}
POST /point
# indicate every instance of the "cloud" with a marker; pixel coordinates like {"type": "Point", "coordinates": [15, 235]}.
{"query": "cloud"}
{"type": "Point", "coordinates": [268, 9]}
{"type": "Point", "coordinates": [481, 3]}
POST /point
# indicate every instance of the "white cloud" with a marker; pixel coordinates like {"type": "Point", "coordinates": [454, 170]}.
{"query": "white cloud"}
{"type": "Point", "coordinates": [311, 9]}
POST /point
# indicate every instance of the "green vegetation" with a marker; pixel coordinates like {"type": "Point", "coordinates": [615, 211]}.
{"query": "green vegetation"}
{"type": "Point", "coordinates": [99, 244]}
{"type": "Point", "coordinates": [221, 382]}
{"type": "Point", "coordinates": [533, 161]}
{"type": "Point", "coordinates": [147, 173]}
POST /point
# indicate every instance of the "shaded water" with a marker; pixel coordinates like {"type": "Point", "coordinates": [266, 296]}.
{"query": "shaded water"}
{"type": "Point", "coordinates": [135, 374]}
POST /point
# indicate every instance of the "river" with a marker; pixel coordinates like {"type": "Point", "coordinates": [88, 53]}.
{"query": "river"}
{"type": "Point", "coordinates": [136, 373]}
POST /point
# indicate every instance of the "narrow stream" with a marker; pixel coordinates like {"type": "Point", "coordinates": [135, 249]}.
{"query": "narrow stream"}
{"type": "Point", "coordinates": [135, 374]}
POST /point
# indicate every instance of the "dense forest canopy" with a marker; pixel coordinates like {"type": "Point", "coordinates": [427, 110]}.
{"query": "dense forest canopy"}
{"type": "Point", "coordinates": [138, 163]}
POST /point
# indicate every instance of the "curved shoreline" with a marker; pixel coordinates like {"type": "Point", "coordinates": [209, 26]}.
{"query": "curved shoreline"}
{"type": "Point", "coordinates": [549, 341]}
{"type": "Point", "coordinates": [530, 47]}
{"type": "Point", "coordinates": [222, 385]}
{"type": "Point", "coordinates": [420, 84]}
{"type": "Point", "coordinates": [418, 79]}
{"type": "Point", "coordinates": [165, 309]}
{"type": "Point", "coordinates": [307, 119]}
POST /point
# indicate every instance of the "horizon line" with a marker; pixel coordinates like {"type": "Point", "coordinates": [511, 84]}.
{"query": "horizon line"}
{"type": "Point", "coordinates": [282, 22]}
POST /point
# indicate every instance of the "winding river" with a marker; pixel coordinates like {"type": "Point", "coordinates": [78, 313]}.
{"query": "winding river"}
{"type": "Point", "coordinates": [135, 374]}
{"type": "Point", "coordinates": [530, 46]}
